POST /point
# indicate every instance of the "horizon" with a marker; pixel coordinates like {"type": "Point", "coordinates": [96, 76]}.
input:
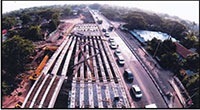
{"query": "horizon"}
{"type": "Point", "coordinates": [186, 10]}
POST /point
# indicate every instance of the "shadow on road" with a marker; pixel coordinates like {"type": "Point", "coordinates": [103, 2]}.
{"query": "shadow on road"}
{"type": "Point", "coordinates": [127, 81]}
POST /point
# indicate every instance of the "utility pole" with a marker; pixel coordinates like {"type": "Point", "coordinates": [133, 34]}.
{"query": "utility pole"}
{"type": "Point", "coordinates": [156, 49]}
{"type": "Point", "coordinates": [160, 43]}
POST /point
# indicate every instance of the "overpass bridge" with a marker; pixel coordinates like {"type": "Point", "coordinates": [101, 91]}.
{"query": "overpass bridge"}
{"type": "Point", "coordinates": [82, 73]}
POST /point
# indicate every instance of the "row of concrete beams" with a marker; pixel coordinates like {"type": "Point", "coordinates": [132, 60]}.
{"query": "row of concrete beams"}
{"type": "Point", "coordinates": [66, 64]}
{"type": "Point", "coordinates": [99, 97]}
{"type": "Point", "coordinates": [104, 78]}
{"type": "Point", "coordinates": [54, 56]}
{"type": "Point", "coordinates": [114, 88]}
{"type": "Point", "coordinates": [73, 91]}
{"type": "Point", "coordinates": [90, 88]}
{"type": "Point", "coordinates": [38, 91]}
{"type": "Point", "coordinates": [64, 73]}
{"type": "Point", "coordinates": [44, 71]}
{"type": "Point", "coordinates": [82, 85]}
{"type": "Point", "coordinates": [60, 59]}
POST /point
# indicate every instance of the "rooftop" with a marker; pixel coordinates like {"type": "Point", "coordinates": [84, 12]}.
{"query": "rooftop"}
{"type": "Point", "coordinates": [182, 50]}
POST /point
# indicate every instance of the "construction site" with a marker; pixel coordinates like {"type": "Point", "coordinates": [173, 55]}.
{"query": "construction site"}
{"type": "Point", "coordinates": [81, 73]}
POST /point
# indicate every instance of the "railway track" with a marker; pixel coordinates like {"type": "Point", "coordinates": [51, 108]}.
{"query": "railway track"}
{"type": "Point", "coordinates": [95, 84]}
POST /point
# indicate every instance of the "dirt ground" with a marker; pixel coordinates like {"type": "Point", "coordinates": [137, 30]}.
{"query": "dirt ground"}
{"type": "Point", "coordinates": [11, 101]}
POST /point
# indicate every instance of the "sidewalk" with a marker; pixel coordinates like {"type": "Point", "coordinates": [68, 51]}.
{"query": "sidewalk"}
{"type": "Point", "coordinates": [178, 92]}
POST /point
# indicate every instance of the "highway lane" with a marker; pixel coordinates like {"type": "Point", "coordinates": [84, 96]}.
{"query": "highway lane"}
{"type": "Point", "coordinates": [150, 92]}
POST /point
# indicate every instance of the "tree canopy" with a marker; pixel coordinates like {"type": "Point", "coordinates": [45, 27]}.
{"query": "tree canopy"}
{"type": "Point", "coordinates": [15, 54]}
{"type": "Point", "coordinates": [8, 22]}
{"type": "Point", "coordinates": [67, 11]}
{"type": "Point", "coordinates": [26, 19]}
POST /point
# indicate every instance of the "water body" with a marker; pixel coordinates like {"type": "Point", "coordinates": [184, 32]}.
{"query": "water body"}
{"type": "Point", "coordinates": [144, 35]}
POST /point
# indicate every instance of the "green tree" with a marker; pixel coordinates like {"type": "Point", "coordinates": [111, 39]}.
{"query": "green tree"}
{"type": "Point", "coordinates": [11, 33]}
{"type": "Point", "coordinates": [6, 88]}
{"type": "Point", "coordinates": [67, 11]}
{"type": "Point", "coordinates": [56, 16]}
{"type": "Point", "coordinates": [95, 6]}
{"type": "Point", "coordinates": [34, 33]}
{"type": "Point", "coordinates": [192, 87]}
{"type": "Point", "coordinates": [153, 44]}
{"type": "Point", "coordinates": [169, 61]}
{"type": "Point", "coordinates": [168, 45]}
{"type": "Point", "coordinates": [15, 54]}
{"type": "Point", "coordinates": [53, 25]}
{"type": "Point", "coordinates": [46, 14]}
{"type": "Point", "coordinates": [135, 22]}
{"type": "Point", "coordinates": [79, 11]}
{"type": "Point", "coordinates": [26, 19]}
{"type": "Point", "coordinates": [192, 62]}
{"type": "Point", "coordinates": [8, 22]}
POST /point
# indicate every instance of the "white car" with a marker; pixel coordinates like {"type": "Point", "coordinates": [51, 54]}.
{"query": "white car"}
{"type": "Point", "coordinates": [151, 106]}
{"type": "Point", "coordinates": [136, 91]}
{"type": "Point", "coordinates": [117, 52]}
{"type": "Point", "coordinates": [106, 34]}
{"type": "Point", "coordinates": [111, 40]}
{"type": "Point", "coordinates": [113, 45]}
{"type": "Point", "coordinates": [120, 60]}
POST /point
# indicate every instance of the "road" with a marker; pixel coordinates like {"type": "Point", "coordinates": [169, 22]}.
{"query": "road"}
{"type": "Point", "coordinates": [149, 90]}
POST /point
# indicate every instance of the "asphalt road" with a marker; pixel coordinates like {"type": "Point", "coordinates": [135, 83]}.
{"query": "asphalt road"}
{"type": "Point", "coordinates": [149, 90]}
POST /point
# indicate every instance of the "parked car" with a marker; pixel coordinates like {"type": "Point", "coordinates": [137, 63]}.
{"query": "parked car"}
{"type": "Point", "coordinates": [111, 40]}
{"type": "Point", "coordinates": [106, 34]}
{"type": "Point", "coordinates": [120, 60]}
{"type": "Point", "coordinates": [113, 45]}
{"type": "Point", "coordinates": [117, 52]}
{"type": "Point", "coordinates": [104, 30]}
{"type": "Point", "coordinates": [136, 91]}
{"type": "Point", "coordinates": [111, 27]}
{"type": "Point", "coordinates": [128, 75]}
{"type": "Point", "coordinates": [151, 106]}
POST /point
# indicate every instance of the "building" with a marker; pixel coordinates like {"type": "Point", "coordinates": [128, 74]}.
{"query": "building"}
{"type": "Point", "coordinates": [182, 51]}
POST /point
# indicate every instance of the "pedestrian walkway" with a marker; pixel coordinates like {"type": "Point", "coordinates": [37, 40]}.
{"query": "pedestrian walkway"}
{"type": "Point", "coordinates": [178, 92]}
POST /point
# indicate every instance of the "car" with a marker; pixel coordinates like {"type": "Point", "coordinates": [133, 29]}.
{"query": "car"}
{"type": "Point", "coordinates": [19, 104]}
{"type": "Point", "coordinates": [111, 40]}
{"type": "Point", "coordinates": [136, 91]}
{"type": "Point", "coordinates": [106, 34]}
{"type": "Point", "coordinates": [111, 27]}
{"type": "Point", "coordinates": [151, 106]}
{"type": "Point", "coordinates": [117, 52]}
{"type": "Point", "coordinates": [116, 100]}
{"type": "Point", "coordinates": [128, 75]}
{"type": "Point", "coordinates": [113, 45]}
{"type": "Point", "coordinates": [104, 30]}
{"type": "Point", "coordinates": [120, 60]}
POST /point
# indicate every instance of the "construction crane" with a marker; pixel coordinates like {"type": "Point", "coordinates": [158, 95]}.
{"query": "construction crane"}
{"type": "Point", "coordinates": [42, 64]}
{"type": "Point", "coordinates": [50, 48]}
{"type": "Point", "coordinates": [39, 68]}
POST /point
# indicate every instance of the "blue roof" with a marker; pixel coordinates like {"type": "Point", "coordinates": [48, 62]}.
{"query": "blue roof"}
{"type": "Point", "coordinates": [137, 36]}
{"type": "Point", "coordinates": [189, 72]}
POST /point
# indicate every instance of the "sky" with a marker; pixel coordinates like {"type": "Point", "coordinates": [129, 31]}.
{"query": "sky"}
{"type": "Point", "coordinates": [188, 10]}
